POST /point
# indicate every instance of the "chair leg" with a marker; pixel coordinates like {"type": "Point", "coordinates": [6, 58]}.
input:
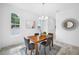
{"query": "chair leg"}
{"type": "Point", "coordinates": [31, 52]}
{"type": "Point", "coordinates": [26, 51]}
{"type": "Point", "coordinates": [52, 42]}
{"type": "Point", "coordinates": [40, 47]}
{"type": "Point", "coordinates": [49, 47]}
{"type": "Point", "coordinates": [44, 50]}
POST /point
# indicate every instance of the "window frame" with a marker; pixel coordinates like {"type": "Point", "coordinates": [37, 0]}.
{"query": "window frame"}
{"type": "Point", "coordinates": [16, 26]}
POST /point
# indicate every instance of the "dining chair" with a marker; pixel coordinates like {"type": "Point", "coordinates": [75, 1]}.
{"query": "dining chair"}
{"type": "Point", "coordinates": [46, 43]}
{"type": "Point", "coordinates": [51, 34]}
{"type": "Point", "coordinates": [29, 46]}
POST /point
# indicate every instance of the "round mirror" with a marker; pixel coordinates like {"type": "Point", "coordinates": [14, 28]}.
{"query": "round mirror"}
{"type": "Point", "coordinates": [70, 24]}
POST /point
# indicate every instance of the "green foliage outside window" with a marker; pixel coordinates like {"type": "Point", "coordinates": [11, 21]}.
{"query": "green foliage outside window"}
{"type": "Point", "coordinates": [15, 20]}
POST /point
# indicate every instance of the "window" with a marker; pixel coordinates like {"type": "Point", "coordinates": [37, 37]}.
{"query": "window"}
{"type": "Point", "coordinates": [42, 24]}
{"type": "Point", "coordinates": [15, 23]}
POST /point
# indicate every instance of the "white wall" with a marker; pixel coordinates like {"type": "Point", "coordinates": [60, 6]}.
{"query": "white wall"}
{"type": "Point", "coordinates": [1, 34]}
{"type": "Point", "coordinates": [6, 38]}
{"type": "Point", "coordinates": [51, 25]}
{"type": "Point", "coordinates": [69, 37]}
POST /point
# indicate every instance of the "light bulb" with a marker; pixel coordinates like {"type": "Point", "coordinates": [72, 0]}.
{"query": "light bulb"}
{"type": "Point", "coordinates": [46, 17]}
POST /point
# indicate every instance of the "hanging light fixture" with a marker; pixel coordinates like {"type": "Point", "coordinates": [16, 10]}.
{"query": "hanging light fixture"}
{"type": "Point", "coordinates": [43, 17]}
{"type": "Point", "coordinates": [46, 17]}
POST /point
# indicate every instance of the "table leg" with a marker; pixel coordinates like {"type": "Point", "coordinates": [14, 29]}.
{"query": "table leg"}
{"type": "Point", "coordinates": [36, 47]}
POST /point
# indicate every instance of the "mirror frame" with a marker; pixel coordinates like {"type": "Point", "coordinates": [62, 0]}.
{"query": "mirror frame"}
{"type": "Point", "coordinates": [73, 21]}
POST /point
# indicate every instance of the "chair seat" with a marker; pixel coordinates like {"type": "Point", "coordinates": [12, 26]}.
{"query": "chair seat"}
{"type": "Point", "coordinates": [31, 46]}
{"type": "Point", "coordinates": [44, 43]}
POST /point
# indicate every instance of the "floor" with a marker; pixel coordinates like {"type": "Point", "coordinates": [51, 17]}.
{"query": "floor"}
{"type": "Point", "coordinates": [20, 50]}
{"type": "Point", "coordinates": [65, 50]}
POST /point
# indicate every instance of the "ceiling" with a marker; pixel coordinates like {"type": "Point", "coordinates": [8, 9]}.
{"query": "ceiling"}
{"type": "Point", "coordinates": [46, 9]}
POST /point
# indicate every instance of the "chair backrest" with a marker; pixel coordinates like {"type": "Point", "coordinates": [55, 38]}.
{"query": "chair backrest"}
{"type": "Point", "coordinates": [29, 45]}
{"type": "Point", "coordinates": [51, 34]}
{"type": "Point", "coordinates": [26, 42]}
{"type": "Point", "coordinates": [49, 40]}
{"type": "Point", "coordinates": [36, 34]}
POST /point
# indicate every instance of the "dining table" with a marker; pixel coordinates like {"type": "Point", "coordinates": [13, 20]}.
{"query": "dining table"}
{"type": "Point", "coordinates": [37, 40]}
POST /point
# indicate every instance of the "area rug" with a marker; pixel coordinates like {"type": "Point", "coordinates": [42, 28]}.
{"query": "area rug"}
{"type": "Point", "coordinates": [54, 50]}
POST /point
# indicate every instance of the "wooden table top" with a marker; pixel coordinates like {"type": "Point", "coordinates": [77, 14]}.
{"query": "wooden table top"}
{"type": "Point", "coordinates": [37, 39]}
